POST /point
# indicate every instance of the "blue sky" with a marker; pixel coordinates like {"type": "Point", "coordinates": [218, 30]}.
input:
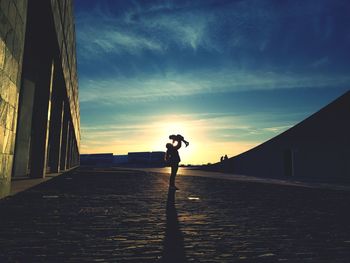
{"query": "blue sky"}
{"type": "Point", "coordinates": [228, 75]}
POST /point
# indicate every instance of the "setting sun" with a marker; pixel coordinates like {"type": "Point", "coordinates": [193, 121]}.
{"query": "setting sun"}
{"type": "Point", "coordinates": [187, 128]}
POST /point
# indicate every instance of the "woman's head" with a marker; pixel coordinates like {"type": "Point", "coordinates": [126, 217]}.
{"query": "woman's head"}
{"type": "Point", "coordinates": [169, 146]}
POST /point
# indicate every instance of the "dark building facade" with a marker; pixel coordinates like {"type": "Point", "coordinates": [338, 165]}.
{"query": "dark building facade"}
{"type": "Point", "coordinates": [316, 149]}
{"type": "Point", "coordinates": [39, 107]}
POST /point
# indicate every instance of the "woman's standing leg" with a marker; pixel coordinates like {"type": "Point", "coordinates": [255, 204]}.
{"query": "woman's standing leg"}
{"type": "Point", "coordinates": [174, 168]}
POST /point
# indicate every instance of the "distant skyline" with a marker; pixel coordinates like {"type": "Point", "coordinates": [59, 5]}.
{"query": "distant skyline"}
{"type": "Point", "coordinates": [228, 75]}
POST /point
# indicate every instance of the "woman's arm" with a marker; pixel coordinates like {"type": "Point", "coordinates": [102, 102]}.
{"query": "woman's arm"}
{"type": "Point", "coordinates": [178, 145]}
{"type": "Point", "coordinates": [167, 156]}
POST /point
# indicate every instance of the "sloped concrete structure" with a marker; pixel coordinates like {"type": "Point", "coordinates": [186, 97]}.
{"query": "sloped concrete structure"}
{"type": "Point", "coordinates": [316, 149]}
{"type": "Point", "coordinates": [39, 108]}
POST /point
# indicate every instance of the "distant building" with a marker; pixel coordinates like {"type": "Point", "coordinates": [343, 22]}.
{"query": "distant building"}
{"type": "Point", "coordinates": [317, 149]}
{"type": "Point", "coordinates": [97, 159]}
{"type": "Point", "coordinates": [146, 158]}
{"type": "Point", "coordinates": [157, 158]}
{"type": "Point", "coordinates": [39, 106]}
{"type": "Point", "coordinates": [141, 158]}
{"type": "Point", "coordinates": [120, 159]}
{"type": "Point", "coordinates": [132, 159]}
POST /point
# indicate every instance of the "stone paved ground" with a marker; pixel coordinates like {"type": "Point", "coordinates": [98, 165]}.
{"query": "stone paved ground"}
{"type": "Point", "coordinates": [106, 215]}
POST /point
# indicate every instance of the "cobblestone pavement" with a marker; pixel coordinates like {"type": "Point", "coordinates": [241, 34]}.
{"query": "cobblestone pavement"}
{"type": "Point", "coordinates": [106, 215]}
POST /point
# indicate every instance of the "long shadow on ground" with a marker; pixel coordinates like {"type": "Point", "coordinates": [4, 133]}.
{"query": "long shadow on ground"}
{"type": "Point", "coordinates": [173, 250]}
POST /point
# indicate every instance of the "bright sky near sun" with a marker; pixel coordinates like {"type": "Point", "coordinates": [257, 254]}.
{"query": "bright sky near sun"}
{"type": "Point", "coordinates": [227, 75]}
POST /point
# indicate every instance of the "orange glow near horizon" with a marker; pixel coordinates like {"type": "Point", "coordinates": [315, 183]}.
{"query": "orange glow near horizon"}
{"type": "Point", "coordinates": [202, 148]}
{"type": "Point", "coordinates": [186, 128]}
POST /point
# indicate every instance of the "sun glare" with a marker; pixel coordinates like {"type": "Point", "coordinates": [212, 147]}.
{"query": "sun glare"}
{"type": "Point", "coordinates": [187, 128]}
{"type": "Point", "coordinates": [204, 144]}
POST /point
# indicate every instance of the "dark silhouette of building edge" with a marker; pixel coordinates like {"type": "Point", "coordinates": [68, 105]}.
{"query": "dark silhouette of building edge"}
{"type": "Point", "coordinates": [39, 107]}
{"type": "Point", "coordinates": [316, 149]}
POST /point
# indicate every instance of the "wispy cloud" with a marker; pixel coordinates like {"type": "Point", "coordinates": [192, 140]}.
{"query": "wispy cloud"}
{"type": "Point", "coordinates": [113, 41]}
{"type": "Point", "coordinates": [216, 26]}
{"type": "Point", "coordinates": [152, 28]}
{"type": "Point", "coordinates": [184, 29]}
{"type": "Point", "coordinates": [150, 88]}
{"type": "Point", "coordinates": [277, 129]}
{"type": "Point", "coordinates": [320, 62]}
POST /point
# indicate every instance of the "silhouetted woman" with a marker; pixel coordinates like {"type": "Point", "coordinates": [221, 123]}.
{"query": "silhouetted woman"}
{"type": "Point", "coordinates": [172, 157]}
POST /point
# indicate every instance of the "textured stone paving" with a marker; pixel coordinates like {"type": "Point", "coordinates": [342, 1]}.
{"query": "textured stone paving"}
{"type": "Point", "coordinates": [106, 215]}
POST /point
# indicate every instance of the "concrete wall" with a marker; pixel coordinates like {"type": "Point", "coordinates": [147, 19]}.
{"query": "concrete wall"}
{"type": "Point", "coordinates": [37, 57]}
{"type": "Point", "coordinates": [23, 137]}
{"type": "Point", "coordinates": [317, 149]}
{"type": "Point", "coordinates": [65, 30]}
{"type": "Point", "coordinates": [12, 34]}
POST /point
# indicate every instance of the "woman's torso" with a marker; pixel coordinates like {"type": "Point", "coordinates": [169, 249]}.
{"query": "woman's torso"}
{"type": "Point", "coordinates": [174, 156]}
